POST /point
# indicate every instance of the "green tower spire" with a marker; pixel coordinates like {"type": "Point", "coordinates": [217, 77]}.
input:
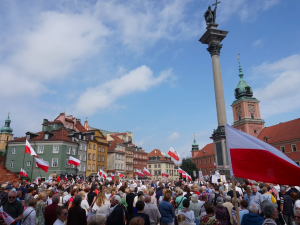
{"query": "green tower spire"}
{"type": "Point", "coordinates": [7, 129]}
{"type": "Point", "coordinates": [241, 75]}
{"type": "Point", "coordinates": [195, 146]}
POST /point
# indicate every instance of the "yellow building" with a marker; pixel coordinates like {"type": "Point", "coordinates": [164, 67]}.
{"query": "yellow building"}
{"type": "Point", "coordinates": [159, 162]}
{"type": "Point", "coordinates": [5, 134]}
{"type": "Point", "coordinates": [96, 153]}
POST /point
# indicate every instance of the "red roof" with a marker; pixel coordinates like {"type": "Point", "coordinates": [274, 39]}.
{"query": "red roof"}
{"type": "Point", "coordinates": [117, 139]}
{"type": "Point", "coordinates": [80, 127]}
{"type": "Point", "coordinates": [157, 152]}
{"type": "Point", "coordinates": [52, 122]}
{"type": "Point", "coordinates": [69, 120]}
{"type": "Point", "coordinates": [58, 135]}
{"type": "Point", "coordinates": [281, 132]}
{"type": "Point", "coordinates": [209, 150]}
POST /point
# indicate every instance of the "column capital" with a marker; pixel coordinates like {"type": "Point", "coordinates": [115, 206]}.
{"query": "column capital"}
{"type": "Point", "coordinates": [214, 48]}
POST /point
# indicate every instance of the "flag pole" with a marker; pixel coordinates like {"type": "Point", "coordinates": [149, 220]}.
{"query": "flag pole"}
{"type": "Point", "coordinates": [40, 174]}
{"type": "Point", "coordinates": [235, 201]}
{"type": "Point", "coordinates": [32, 163]}
{"type": "Point", "coordinates": [24, 156]}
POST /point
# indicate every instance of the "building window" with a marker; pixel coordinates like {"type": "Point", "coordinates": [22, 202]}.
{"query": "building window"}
{"type": "Point", "coordinates": [297, 163]}
{"type": "Point", "coordinates": [46, 136]}
{"type": "Point", "coordinates": [205, 161]}
{"type": "Point", "coordinates": [67, 164]}
{"type": "Point", "coordinates": [158, 165]}
{"type": "Point", "coordinates": [83, 138]}
{"type": "Point", "coordinates": [210, 170]}
{"type": "Point", "coordinates": [41, 149]}
{"type": "Point", "coordinates": [239, 117]}
{"type": "Point", "coordinates": [83, 168]}
{"type": "Point", "coordinates": [103, 149]}
{"type": "Point", "coordinates": [200, 161]}
{"type": "Point", "coordinates": [70, 126]}
{"type": "Point", "coordinates": [103, 158]}
{"type": "Point", "coordinates": [73, 139]}
{"type": "Point", "coordinates": [90, 146]}
{"type": "Point", "coordinates": [55, 149]}
{"type": "Point", "coordinates": [89, 156]}
{"type": "Point", "coordinates": [54, 162]}
{"type": "Point", "coordinates": [80, 146]}
{"type": "Point", "coordinates": [79, 168]}
{"type": "Point", "coordinates": [13, 151]}
{"type": "Point", "coordinates": [155, 166]}
{"type": "Point", "coordinates": [93, 156]}
{"type": "Point", "coordinates": [99, 149]}
{"type": "Point", "coordinates": [102, 167]}
{"type": "Point", "coordinates": [28, 163]}
{"type": "Point", "coordinates": [98, 168]}
{"type": "Point", "coordinates": [79, 136]}
{"type": "Point", "coordinates": [73, 151]}
{"type": "Point", "coordinates": [159, 173]}
{"type": "Point", "coordinates": [66, 125]}
{"type": "Point", "coordinates": [255, 131]}
{"type": "Point", "coordinates": [94, 146]}
{"type": "Point", "coordinates": [89, 167]}
{"type": "Point", "coordinates": [27, 137]}
{"type": "Point", "coordinates": [149, 166]}
{"type": "Point", "coordinates": [92, 137]}
{"type": "Point", "coordinates": [79, 157]}
{"type": "Point", "coordinates": [93, 167]}
{"type": "Point", "coordinates": [209, 160]}
{"type": "Point", "coordinates": [84, 157]}
{"type": "Point", "coordinates": [282, 149]}
{"type": "Point", "coordinates": [99, 158]}
{"type": "Point", "coordinates": [12, 163]}
{"type": "Point", "coordinates": [294, 149]}
{"type": "Point", "coordinates": [252, 115]}
{"type": "Point", "coordinates": [115, 166]}
{"type": "Point", "coordinates": [206, 170]}
{"type": "Point", "coordinates": [68, 150]}
{"type": "Point", "coordinates": [84, 148]}
{"type": "Point", "coordinates": [155, 172]}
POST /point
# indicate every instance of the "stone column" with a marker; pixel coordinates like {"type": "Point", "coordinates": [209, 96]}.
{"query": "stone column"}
{"type": "Point", "coordinates": [212, 37]}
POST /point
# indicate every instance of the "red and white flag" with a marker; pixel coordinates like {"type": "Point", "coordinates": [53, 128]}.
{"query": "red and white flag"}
{"type": "Point", "coordinates": [215, 166]}
{"type": "Point", "coordinates": [104, 175]}
{"type": "Point", "coordinates": [173, 154]}
{"type": "Point", "coordinates": [188, 177]}
{"type": "Point", "coordinates": [100, 172]}
{"type": "Point", "coordinates": [146, 172]}
{"type": "Point", "coordinates": [183, 175]}
{"type": "Point", "coordinates": [29, 149]}
{"type": "Point", "coordinates": [120, 175]}
{"type": "Point", "coordinates": [23, 173]}
{"type": "Point", "coordinates": [7, 218]}
{"type": "Point", "coordinates": [74, 161]}
{"type": "Point", "coordinates": [44, 165]}
{"type": "Point", "coordinates": [164, 174]}
{"type": "Point", "coordinates": [112, 176]}
{"type": "Point", "coordinates": [138, 172]}
{"type": "Point", "coordinates": [37, 180]}
{"type": "Point", "coordinates": [180, 170]}
{"type": "Point", "coordinates": [254, 159]}
{"type": "Point", "coordinates": [66, 177]}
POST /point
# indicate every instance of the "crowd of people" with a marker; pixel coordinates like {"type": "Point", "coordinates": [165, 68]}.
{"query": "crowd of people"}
{"type": "Point", "coordinates": [149, 202]}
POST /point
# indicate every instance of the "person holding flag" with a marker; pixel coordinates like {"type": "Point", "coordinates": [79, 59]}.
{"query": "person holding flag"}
{"type": "Point", "coordinates": [12, 210]}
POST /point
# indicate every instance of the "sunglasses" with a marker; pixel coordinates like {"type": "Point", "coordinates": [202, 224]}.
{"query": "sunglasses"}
{"type": "Point", "coordinates": [65, 214]}
{"type": "Point", "coordinates": [10, 197]}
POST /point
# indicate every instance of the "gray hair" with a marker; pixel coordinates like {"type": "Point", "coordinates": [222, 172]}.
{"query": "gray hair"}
{"type": "Point", "coordinates": [219, 201]}
{"type": "Point", "coordinates": [77, 200]}
{"type": "Point", "coordinates": [13, 191]}
{"type": "Point", "coordinates": [55, 198]}
{"type": "Point", "coordinates": [117, 198]}
{"type": "Point", "coordinates": [253, 209]}
{"type": "Point", "coordinates": [268, 209]}
{"type": "Point", "coordinates": [132, 189]}
{"type": "Point", "coordinates": [194, 198]}
{"type": "Point", "coordinates": [96, 220]}
{"type": "Point", "coordinates": [282, 188]}
{"type": "Point", "coordinates": [228, 198]}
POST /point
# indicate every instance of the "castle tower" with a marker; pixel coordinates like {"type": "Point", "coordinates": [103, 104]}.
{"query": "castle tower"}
{"type": "Point", "coordinates": [195, 147]}
{"type": "Point", "coordinates": [246, 113]}
{"type": "Point", "coordinates": [5, 133]}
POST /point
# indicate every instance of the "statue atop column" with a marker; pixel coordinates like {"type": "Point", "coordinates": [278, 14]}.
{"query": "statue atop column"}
{"type": "Point", "coordinates": [211, 15]}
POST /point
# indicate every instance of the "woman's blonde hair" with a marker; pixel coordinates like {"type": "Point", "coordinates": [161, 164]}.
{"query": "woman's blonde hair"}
{"type": "Point", "coordinates": [101, 199]}
{"type": "Point", "coordinates": [151, 192]}
{"type": "Point", "coordinates": [82, 194]}
{"type": "Point", "coordinates": [181, 218]}
{"type": "Point", "coordinates": [126, 191]}
{"type": "Point", "coordinates": [42, 195]}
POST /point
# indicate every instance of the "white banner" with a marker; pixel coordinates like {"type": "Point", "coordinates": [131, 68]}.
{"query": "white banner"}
{"type": "Point", "coordinates": [214, 179]}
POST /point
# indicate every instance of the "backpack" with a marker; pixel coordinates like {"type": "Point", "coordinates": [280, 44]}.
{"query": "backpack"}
{"type": "Point", "coordinates": [215, 198]}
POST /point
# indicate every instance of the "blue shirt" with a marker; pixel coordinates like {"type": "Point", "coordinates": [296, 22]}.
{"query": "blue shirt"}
{"type": "Point", "coordinates": [256, 199]}
{"type": "Point", "coordinates": [242, 213]}
{"type": "Point", "coordinates": [166, 211]}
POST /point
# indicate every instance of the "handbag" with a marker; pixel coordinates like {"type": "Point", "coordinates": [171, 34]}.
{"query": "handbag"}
{"type": "Point", "coordinates": [27, 216]}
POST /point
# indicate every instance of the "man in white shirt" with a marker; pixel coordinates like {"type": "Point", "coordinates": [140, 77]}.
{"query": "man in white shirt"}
{"type": "Point", "coordinates": [68, 196]}
{"type": "Point", "coordinates": [62, 215]}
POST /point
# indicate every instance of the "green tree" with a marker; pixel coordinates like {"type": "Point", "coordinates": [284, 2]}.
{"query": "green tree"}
{"type": "Point", "coordinates": [189, 166]}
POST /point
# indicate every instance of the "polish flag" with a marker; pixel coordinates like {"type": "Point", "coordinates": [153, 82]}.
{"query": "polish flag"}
{"type": "Point", "coordinates": [180, 170]}
{"type": "Point", "coordinates": [146, 172]}
{"type": "Point", "coordinates": [254, 159]}
{"type": "Point", "coordinates": [100, 172]}
{"type": "Point", "coordinates": [138, 172]}
{"type": "Point", "coordinates": [74, 161]}
{"type": "Point", "coordinates": [164, 174]}
{"type": "Point", "coordinates": [120, 175]}
{"type": "Point", "coordinates": [23, 173]}
{"type": "Point", "coordinates": [215, 166]}
{"type": "Point", "coordinates": [7, 218]}
{"type": "Point", "coordinates": [173, 154]}
{"type": "Point", "coordinates": [44, 165]}
{"type": "Point", "coordinates": [29, 149]}
{"type": "Point", "coordinates": [104, 175]}
{"type": "Point", "coordinates": [37, 180]}
{"type": "Point", "coordinates": [112, 176]}
{"type": "Point", "coordinates": [189, 177]}
{"type": "Point", "coordinates": [183, 175]}
{"type": "Point", "coordinates": [66, 178]}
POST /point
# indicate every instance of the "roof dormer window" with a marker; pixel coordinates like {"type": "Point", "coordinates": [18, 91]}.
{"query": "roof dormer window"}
{"type": "Point", "coordinates": [79, 136]}
{"type": "Point", "coordinates": [46, 136]}
{"type": "Point", "coordinates": [66, 125]}
{"type": "Point", "coordinates": [84, 138]}
{"type": "Point", "coordinates": [73, 139]}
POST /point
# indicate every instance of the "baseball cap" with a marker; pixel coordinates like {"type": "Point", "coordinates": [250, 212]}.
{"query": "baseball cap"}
{"type": "Point", "coordinates": [8, 187]}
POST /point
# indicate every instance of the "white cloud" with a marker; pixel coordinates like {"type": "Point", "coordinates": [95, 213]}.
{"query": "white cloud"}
{"type": "Point", "coordinates": [281, 94]}
{"type": "Point", "coordinates": [104, 95]}
{"type": "Point", "coordinates": [174, 136]}
{"type": "Point", "coordinates": [257, 43]}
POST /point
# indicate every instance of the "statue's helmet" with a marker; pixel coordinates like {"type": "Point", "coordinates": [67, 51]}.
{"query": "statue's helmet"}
{"type": "Point", "coordinates": [209, 7]}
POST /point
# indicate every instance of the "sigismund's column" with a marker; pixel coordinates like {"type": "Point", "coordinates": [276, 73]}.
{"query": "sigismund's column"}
{"type": "Point", "coordinates": [213, 37]}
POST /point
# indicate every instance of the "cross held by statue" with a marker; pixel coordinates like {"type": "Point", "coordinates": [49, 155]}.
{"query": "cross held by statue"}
{"type": "Point", "coordinates": [216, 3]}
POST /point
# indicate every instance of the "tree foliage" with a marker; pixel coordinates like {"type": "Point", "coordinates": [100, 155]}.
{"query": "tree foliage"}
{"type": "Point", "coordinates": [189, 166]}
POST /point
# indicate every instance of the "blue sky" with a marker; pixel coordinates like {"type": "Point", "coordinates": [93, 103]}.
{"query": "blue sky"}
{"type": "Point", "coordinates": [138, 65]}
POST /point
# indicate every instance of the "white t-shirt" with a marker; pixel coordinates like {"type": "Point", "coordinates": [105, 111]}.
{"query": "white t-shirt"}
{"type": "Point", "coordinates": [189, 215]}
{"type": "Point", "coordinates": [239, 190]}
{"type": "Point", "coordinates": [85, 205]}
